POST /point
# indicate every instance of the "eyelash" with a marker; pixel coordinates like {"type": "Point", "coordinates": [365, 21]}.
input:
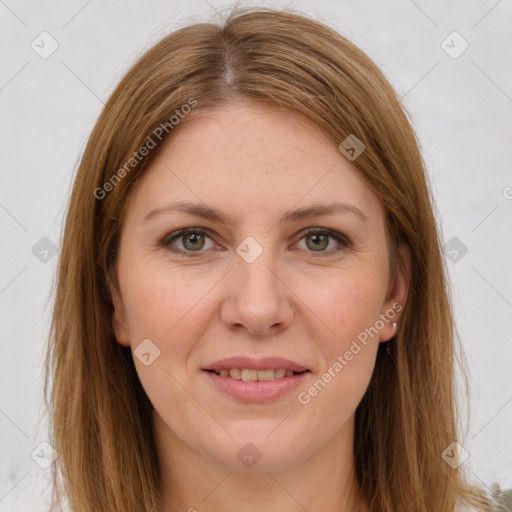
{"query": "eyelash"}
{"type": "Point", "coordinates": [344, 242]}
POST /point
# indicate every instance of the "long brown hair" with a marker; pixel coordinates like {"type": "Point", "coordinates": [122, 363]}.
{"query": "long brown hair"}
{"type": "Point", "coordinates": [100, 416]}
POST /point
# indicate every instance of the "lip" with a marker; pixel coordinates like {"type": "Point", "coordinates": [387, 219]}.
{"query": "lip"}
{"type": "Point", "coordinates": [266, 363]}
{"type": "Point", "coordinates": [256, 391]}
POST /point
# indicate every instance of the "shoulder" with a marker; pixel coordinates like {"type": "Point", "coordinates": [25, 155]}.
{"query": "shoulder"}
{"type": "Point", "coordinates": [504, 500]}
{"type": "Point", "coordinates": [501, 501]}
{"type": "Point", "coordinates": [465, 507]}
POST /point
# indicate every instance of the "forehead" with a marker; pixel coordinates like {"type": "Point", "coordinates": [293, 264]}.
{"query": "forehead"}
{"type": "Point", "coordinates": [251, 158]}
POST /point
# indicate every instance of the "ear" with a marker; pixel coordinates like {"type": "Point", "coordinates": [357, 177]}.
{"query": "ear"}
{"type": "Point", "coordinates": [119, 322]}
{"type": "Point", "coordinates": [397, 297]}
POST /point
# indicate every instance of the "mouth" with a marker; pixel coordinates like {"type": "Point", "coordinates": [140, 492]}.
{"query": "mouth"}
{"type": "Point", "coordinates": [253, 375]}
{"type": "Point", "coordinates": [248, 385]}
{"type": "Point", "coordinates": [255, 380]}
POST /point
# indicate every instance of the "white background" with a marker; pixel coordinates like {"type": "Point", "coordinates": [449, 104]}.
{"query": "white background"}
{"type": "Point", "coordinates": [461, 109]}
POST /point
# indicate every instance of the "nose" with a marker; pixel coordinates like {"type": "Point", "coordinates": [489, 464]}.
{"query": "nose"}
{"type": "Point", "coordinates": [257, 297]}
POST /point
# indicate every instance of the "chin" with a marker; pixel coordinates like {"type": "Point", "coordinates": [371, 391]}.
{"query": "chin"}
{"type": "Point", "coordinates": [259, 453]}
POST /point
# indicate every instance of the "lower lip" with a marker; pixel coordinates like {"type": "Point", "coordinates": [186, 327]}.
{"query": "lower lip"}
{"type": "Point", "coordinates": [256, 391]}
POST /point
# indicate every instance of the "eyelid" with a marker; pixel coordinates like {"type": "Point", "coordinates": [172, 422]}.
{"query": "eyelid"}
{"type": "Point", "coordinates": [343, 240]}
{"type": "Point", "coordinates": [170, 237]}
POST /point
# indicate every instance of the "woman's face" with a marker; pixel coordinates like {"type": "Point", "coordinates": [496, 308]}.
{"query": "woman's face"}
{"type": "Point", "coordinates": [257, 285]}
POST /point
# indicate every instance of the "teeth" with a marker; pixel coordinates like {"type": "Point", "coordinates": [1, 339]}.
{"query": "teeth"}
{"type": "Point", "coordinates": [247, 374]}
{"type": "Point", "coordinates": [265, 375]}
{"type": "Point", "coordinates": [280, 373]}
{"type": "Point", "coordinates": [235, 374]}
{"type": "Point", "coordinates": [250, 375]}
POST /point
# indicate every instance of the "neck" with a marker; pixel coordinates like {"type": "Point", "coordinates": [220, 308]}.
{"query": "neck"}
{"type": "Point", "coordinates": [324, 481]}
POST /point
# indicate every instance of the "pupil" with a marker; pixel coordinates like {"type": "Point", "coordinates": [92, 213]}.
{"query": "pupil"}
{"type": "Point", "coordinates": [192, 238]}
{"type": "Point", "coordinates": [316, 240]}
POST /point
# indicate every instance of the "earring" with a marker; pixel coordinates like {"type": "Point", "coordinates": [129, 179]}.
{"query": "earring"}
{"type": "Point", "coordinates": [388, 349]}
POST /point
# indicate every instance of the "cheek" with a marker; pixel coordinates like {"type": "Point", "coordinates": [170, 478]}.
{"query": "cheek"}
{"type": "Point", "coordinates": [170, 308]}
{"type": "Point", "coordinates": [159, 299]}
{"type": "Point", "coordinates": [163, 308]}
{"type": "Point", "coordinates": [349, 303]}
{"type": "Point", "coordinates": [349, 307]}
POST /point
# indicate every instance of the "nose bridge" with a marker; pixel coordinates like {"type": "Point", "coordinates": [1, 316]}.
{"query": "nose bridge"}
{"type": "Point", "coordinates": [256, 267]}
{"type": "Point", "coordinates": [259, 300]}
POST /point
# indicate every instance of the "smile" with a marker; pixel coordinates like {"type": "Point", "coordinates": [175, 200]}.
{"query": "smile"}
{"type": "Point", "coordinates": [246, 385]}
{"type": "Point", "coordinates": [248, 374]}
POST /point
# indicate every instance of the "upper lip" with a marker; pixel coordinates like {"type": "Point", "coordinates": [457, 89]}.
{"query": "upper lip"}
{"type": "Point", "coordinates": [266, 363]}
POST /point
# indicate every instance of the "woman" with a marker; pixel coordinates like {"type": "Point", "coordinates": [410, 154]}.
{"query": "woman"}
{"type": "Point", "coordinates": [252, 310]}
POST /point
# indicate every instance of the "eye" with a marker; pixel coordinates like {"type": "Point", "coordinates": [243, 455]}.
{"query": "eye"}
{"type": "Point", "coordinates": [193, 240]}
{"type": "Point", "coordinates": [317, 239]}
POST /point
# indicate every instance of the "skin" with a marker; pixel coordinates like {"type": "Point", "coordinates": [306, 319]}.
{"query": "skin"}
{"type": "Point", "coordinates": [297, 300]}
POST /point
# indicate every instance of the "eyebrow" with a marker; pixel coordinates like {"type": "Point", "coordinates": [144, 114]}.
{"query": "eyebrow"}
{"type": "Point", "coordinates": [205, 212]}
